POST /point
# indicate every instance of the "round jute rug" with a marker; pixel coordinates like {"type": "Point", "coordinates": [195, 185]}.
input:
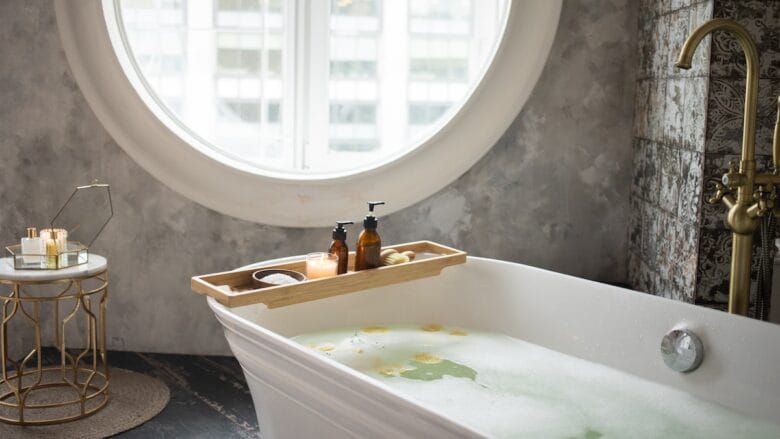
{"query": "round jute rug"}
{"type": "Point", "coordinates": [134, 398]}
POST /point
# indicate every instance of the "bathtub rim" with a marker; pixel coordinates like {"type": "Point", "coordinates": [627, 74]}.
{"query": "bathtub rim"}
{"type": "Point", "coordinates": [709, 323]}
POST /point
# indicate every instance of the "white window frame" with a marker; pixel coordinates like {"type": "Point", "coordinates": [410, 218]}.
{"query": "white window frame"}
{"type": "Point", "coordinates": [147, 132]}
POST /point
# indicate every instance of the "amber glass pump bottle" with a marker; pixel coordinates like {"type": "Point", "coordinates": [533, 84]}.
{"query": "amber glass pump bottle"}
{"type": "Point", "coordinates": [369, 245]}
{"type": "Point", "coordinates": [339, 246]}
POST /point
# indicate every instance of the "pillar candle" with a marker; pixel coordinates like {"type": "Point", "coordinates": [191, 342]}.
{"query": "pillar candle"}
{"type": "Point", "coordinates": [321, 265]}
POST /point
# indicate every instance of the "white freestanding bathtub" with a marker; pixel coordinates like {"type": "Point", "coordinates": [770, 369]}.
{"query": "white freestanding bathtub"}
{"type": "Point", "coordinates": [300, 394]}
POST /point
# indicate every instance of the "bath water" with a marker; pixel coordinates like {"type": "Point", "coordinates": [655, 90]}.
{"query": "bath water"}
{"type": "Point", "coordinates": [506, 387]}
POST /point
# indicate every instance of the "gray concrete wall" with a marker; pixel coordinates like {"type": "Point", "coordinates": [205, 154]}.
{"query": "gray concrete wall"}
{"type": "Point", "coordinates": [553, 192]}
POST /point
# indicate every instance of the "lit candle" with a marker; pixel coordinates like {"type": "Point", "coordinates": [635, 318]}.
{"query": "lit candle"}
{"type": "Point", "coordinates": [62, 243]}
{"type": "Point", "coordinates": [62, 237]}
{"type": "Point", "coordinates": [321, 265]}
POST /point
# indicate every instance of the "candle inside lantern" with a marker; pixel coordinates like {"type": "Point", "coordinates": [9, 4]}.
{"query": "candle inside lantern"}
{"type": "Point", "coordinates": [321, 265]}
{"type": "Point", "coordinates": [62, 237]}
{"type": "Point", "coordinates": [61, 240]}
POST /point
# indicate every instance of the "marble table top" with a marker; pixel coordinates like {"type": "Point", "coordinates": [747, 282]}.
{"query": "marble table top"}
{"type": "Point", "coordinates": [95, 265]}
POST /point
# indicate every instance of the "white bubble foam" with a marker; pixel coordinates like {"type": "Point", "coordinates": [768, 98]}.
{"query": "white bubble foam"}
{"type": "Point", "coordinates": [524, 390]}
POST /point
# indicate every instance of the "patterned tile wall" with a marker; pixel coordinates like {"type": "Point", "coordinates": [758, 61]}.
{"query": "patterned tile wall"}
{"type": "Point", "coordinates": [688, 127]}
{"type": "Point", "coordinates": [725, 105]}
{"type": "Point", "coordinates": [669, 137]}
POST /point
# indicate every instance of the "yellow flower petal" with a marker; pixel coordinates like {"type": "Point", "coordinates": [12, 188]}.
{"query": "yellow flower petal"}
{"type": "Point", "coordinates": [390, 370]}
{"type": "Point", "coordinates": [427, 358]}
{"type": "Point", "coordinates": [326, 347]}
{"type": "Point", "coordinates": [374, 329]}
{"type": "Point", "coordinates": [433, 327]}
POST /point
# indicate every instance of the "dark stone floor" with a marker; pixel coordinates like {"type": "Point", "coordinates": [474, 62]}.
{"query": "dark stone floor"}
{"type": "Point", "coordinates": [209, 396]}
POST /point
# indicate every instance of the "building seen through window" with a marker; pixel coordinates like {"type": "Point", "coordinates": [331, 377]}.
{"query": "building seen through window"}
{"type": "Point", "coordinates": [364, 81]}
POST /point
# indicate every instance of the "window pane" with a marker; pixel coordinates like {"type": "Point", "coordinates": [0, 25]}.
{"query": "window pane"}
{"type": "Point", "coordinates": [274, 112]}
{"type": "Point", "coordinates": [353, 145]}
{"type": "Point", "coordinates": [238, 5]}
{"type": "Point", "coordinates": [274, 62]}
{"type": "Point", "coordinates": [246, 111]}
{"type": "Point", "coordinates": [352, 69]}
{"type": "Point", "coordinates": [438, 69]}
{"type": "Point", "coordinates": [440, 9]}
{"type": "Point", "coordinates": [354, 7]}
{"type": "Point", "coordinates": [382, 75]}
{"type": "Point", "coordinates": [425, 114]}
{"type": "Point", "coordinates": [238, 61]}
{"type": "Point", "coordinates": [353, 113]}
{"type": "Point", "coordinates": [216, 66]}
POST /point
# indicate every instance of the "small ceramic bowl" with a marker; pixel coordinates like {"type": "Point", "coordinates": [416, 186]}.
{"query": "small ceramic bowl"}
{"type": "Point", "coordinates": [259, 275]}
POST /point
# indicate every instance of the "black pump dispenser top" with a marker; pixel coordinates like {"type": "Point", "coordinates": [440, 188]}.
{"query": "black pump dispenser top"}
{"type": "Point", "coordinates": [340, 233]}
{"type": "Point", "coordinates": [370, 221]}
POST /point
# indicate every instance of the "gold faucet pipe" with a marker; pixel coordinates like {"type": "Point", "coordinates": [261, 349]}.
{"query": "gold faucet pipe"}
{"type": "Point", "coordinates": [776, 142]}
{"type": "Point", "coordinates": [773, 179]}
{"type": "Point", "coordinates": [744, 210]}
{"type": "Point", "coordinates": [739, 282]}
{"type": "Point", "coordinates": [751, 86]}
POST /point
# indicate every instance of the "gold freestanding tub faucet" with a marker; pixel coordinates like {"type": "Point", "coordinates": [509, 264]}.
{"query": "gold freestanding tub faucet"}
{"type": "Point", "coordinates": [755, 193]}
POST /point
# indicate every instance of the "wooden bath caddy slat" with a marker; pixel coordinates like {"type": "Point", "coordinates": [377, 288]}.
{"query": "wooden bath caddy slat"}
{"type": "Point", "coordinates": [431, 259]}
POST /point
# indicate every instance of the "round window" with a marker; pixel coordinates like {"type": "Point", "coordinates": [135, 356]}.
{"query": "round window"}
{"type": "Point", "coordinates": [294, 112]}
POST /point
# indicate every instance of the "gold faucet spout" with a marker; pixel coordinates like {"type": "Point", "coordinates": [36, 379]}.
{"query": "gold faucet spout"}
{"type": "Point", "coordinates": [743, 211]}
{"type": "Point", "coordinates": [751, 58]}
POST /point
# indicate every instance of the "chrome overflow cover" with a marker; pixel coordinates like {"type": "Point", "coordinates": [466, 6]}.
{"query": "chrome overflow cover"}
{"type": "Point", "coordinates": [682, 350]}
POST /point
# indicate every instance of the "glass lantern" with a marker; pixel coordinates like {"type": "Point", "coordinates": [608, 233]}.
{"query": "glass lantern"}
{"type": "Point", "coordinates": [74, 228]}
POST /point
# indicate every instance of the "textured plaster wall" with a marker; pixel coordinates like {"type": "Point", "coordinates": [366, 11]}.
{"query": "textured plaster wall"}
{"type": "Point", "coordinates": [553, 192]}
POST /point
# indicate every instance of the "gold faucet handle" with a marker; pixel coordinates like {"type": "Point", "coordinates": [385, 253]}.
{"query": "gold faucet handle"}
{"type": "Point", "coordinates": [733, 178]}
{"type": "Point", "coordinates": [765, 197]}
{"type": "Point", "coordinates": [720, 191]}
{"type": "Point", "coordinates": [733, 166]}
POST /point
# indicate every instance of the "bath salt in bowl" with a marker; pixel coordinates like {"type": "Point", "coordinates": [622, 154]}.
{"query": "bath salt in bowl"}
{"type": "Point", "coordinates": [275, 277]}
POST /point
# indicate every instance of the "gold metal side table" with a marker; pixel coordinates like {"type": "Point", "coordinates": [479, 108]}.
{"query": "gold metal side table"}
{"type": "Point", "coordinates": [65, 309]}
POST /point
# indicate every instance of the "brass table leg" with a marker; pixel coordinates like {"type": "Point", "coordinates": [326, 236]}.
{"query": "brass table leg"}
{"type": "Point", "coordinates": [81, 378]}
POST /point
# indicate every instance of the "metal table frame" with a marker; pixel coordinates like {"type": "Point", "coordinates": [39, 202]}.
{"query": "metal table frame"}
{"type": "Point", "coordinates": [83, 370]}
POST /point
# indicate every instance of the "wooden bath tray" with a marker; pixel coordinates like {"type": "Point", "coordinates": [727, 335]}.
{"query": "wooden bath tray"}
{"type": "Point", "coordinates": [234, 288]}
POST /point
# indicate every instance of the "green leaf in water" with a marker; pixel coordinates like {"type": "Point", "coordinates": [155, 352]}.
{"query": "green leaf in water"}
{"type": "Point", "coordinates": [435, 371]}
{"type": "Point", "coordinates": [592, 434]}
